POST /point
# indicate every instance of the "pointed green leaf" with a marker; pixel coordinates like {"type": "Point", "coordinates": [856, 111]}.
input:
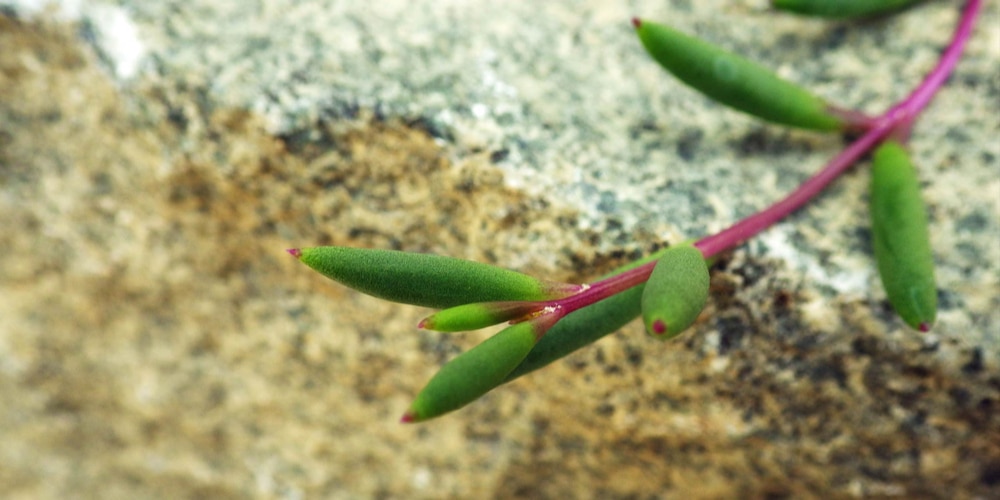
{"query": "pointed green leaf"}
{"type": "Point", "coordinates": [476, 371]}
{"type": "Point", "coordinates": [900, 237]}
{"type": "Point", "coordinates": [842, 9]}
{"type": "Point", "coordinates": [479, 315]}
{"type": "Point", "coordinates": [424, 279]}
{"type": "Point", "coordinates": [735, 81]}
{"type": "Point", "coordinates": [676, 292]}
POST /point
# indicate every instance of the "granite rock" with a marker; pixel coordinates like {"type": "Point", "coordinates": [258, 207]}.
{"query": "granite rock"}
{"type": "Point", "coordinates": [157, 341]}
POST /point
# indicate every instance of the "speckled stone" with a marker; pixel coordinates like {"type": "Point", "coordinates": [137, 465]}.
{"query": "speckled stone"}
{"type": "Point", "coordinates": [156, 341]}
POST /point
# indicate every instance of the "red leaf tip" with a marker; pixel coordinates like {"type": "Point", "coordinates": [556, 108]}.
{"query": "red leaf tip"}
{"type": "Point", "coordinates": [636, 22]}
{"type": "Point", "coordinates": [408, 418]}
{"type": "Point", "coordinates": [424, 324]}
{"type": "Point", "coordinates": [295, 252]}
{"type": "Point", "coordinates": [925, 327]}
{"type": "Point", "coordinates": [659, 327]}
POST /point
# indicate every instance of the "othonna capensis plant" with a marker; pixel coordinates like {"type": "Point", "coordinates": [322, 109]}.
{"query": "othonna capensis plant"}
{"type": "Point", "coordinates": [842, 9]}
{"type": "Point", "coordinates": [900, 237]}
{"type": "Point", "coordinates": [670, 287]}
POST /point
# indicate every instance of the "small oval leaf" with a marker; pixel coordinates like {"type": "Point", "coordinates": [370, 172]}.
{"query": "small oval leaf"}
{"type": "Point", "coordinates": [676, 292]}
{"type": "Point", "coordinates": [901, 240]}
{"type": "Point", "coordinates": [424, 279]}
{"type": "Point", "coordinates": [735, 81]}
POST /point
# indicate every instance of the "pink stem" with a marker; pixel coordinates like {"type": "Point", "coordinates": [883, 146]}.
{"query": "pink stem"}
{"type": "Point", "coordinates": [605, 288]}
{"type": "Point", "coordinates": [751, 226]}
{"type": "Point", "coordinates": [921, 96]}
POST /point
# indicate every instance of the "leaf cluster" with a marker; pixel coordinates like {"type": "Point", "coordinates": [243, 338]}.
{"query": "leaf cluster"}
{"type": "Point", "coordinates": [668, 288]}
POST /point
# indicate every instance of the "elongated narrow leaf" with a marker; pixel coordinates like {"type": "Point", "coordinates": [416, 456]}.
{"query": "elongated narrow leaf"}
{"type": "Point", "coordinates": [475, 372]}
{"type": "Point", "coordinates": [479, 315]}
{"type": "Point", "coordinates": [842, 9]}
{"type": "Point", "coordinates": [735, 81]}
{"type": "Point", "coordinates": [424, 279]}
{"type": "Point", "coordinates": [900, 237]}
{"type": "Point", "coordinates": [676, 292]}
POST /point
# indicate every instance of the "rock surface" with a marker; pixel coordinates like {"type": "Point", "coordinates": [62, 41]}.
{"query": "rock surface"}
{"type": "Point", "coordinates": [157, 157]}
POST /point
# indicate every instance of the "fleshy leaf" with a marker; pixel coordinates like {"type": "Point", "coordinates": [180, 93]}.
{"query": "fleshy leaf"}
{"type": "Point", "coordinates": [737, 82]}
{"type": "Point", "coordinates": [479, 315]}
{"type": "Point", "coordinates": [476, 371]}
{"type": "Point", "coordinates": [900, 236]}
{"type": "Point", "coordinates": [424, 279]}
{"type": "Point", "coordinates": [676, 292]}
{"type": "Point", "coordinates": [842, 9]}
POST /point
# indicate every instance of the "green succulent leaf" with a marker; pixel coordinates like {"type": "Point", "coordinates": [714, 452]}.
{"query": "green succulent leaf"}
{"type": "Point", "coordinates": [479, 315]}
{"type": "Point", "coordinates": [424, 279]}
{"type": "Point", "coordinates": [900, 237]}
{"type": "Point", "coordinates": [735, 81]}
{"type": "Point", "coordinates": [842, 9]}
{"type": "Point", "coordinates": [676, 292]}
{"type": "Point", "coordinates": [476, 371]}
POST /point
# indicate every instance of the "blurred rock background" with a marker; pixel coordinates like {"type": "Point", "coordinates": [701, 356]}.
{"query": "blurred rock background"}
{"type": "Point", "coordinates": [156, 158]}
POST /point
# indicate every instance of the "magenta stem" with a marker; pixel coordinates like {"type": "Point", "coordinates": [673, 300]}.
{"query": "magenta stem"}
{"type": "Point", "coordinates": [922, 95]}
{"type": "Point", "coordinates": [896, 121]}
{"type": "Point", "coordinates": [605, 288]}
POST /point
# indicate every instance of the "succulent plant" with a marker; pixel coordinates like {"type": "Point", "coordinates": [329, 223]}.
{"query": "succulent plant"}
{"type": "Point", "coordinates": [670, 287]}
